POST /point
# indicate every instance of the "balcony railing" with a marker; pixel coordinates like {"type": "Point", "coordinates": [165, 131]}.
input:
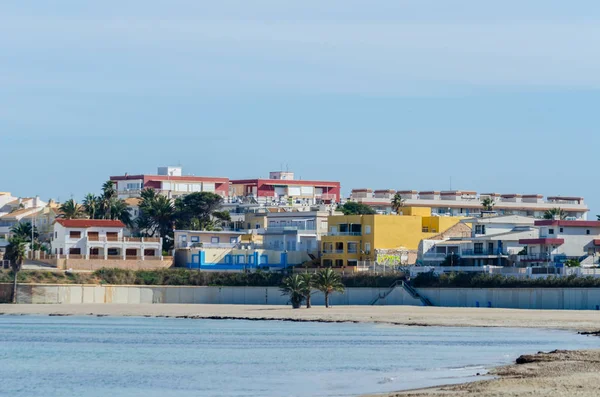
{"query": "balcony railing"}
{"type": "Point", "coordinates": [344, 234]}
{"type": "Point", "coordinates": [279, 229]}
{"type": "Point", "coordinates": [435, 255]}
{"type": "Point", "coordinates": [332, 251]}
{"type": "Point", "coordinates": [104, 239]}
{"type": "Point", "coordinates": [474, 252]}
{"type": "Point", "coordinates": [534, 258]}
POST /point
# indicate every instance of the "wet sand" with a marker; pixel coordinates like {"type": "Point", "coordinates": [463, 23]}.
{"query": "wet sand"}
{"type": "Point", "coordinates": [557, 374]}
{"type": "Point", "coordinates": [399, 315]}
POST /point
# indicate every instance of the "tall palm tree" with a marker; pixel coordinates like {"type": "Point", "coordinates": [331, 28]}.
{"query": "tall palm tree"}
{"type": "Point", "coordinates": [488, 204]}
{"type": "Point", "coordinates": [397, 203]}
{"type": "Point", "coordinates": [71, 210]}
{"type": "Point", "coordinates": [157, 216]}
{"type": "Point", "coordinates": [294, 287]}
{"type": "Point", "coordinates": [555, 212]}
{"type": "Point", "coordinates": [15, 253]}
{"type": "Point", "coordinates": [109, 194]}
{"type": "Point", "coordinates": [307, 287]}
{"type": "Point", "coordinates": [328, 281]}
{"type": "Point", "coordinates": [90, 205]}
{"type": "Point", "coordinates": [119, 210]}
{"type": "Point", "coordinates": [22, 231]}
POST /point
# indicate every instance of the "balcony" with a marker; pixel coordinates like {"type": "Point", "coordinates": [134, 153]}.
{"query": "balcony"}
{"type": "Point", "coordinates": [339, 234]}
{"type": "Point", "coordinates": [470, 252]}
{"type": "Point", "coordinates": [332, 251]}
{"type": "Point", "coordinates": [281, 229]}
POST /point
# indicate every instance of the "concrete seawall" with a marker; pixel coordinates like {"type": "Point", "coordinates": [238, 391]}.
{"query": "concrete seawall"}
{"type": "Point", "coordinates": [515, 298]}
{"type": "Point", "coordinates": [135, 294]}
{"type": "Point", "coordinates": [510, 298]}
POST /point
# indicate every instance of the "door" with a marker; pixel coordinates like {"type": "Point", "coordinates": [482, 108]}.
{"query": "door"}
{"type": "Point", "coordinates": [490, 248]}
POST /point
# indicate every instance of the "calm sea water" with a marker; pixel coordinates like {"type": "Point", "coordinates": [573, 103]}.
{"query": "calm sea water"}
{"type": "Point", "coordinates": [112, 356]}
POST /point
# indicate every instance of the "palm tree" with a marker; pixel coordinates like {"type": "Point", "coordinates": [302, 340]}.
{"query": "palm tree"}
{"type": "Point", "coordinates": [22, 231]}
{"type": "Point", "coordinates": [157, 215]}
{"type": "Point", "coordinates": [307, 287]}
{"type": "Point", "coordinates": [397, 203]}
{"type": "Point", "coordinates": [294, 287]}
{"type": "Point", "coordinates": [488, 204]}
{"type": "Point", "coordinates": [328, 281]}
{"type": "Point", "coordinates": [109, 194]}
{"type": "Point", "coordinates": [555, 212]}
{"type": "Point", "coordinates": [90, 205]}
{"type": "Point", "coordinates": [15, 253]}
{"type": "Point", "coordinates": [119, 210]}
{"type": "Point", "coordinates": [71, 210]}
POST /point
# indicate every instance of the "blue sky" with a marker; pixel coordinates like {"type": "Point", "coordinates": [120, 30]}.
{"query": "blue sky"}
{"type": "Point", "coordinates": [386, 94]}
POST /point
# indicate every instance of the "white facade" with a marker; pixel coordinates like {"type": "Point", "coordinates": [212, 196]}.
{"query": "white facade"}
{"type": "Point", "coordinates": [295, 231]}
{"type": "Point", "coordinates": [561, 240]}
{"type": "Point", "coordinates": [468, 203]}
{"type": "Point", "coordinates": [493, 241]}
{"type": "Point", "coordinates": [100, 239]}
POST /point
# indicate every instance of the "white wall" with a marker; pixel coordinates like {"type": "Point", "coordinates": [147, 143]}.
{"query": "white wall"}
{"type": "Point", "coordinates": [73, 294]}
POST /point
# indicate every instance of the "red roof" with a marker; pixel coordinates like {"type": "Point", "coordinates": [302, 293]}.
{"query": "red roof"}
{"type": "Point", "coordinates": [542, 241]}
{"type": "Point", "coordinates": [568, 223]}
{"type": "Point", "coordinates": [85, 223]}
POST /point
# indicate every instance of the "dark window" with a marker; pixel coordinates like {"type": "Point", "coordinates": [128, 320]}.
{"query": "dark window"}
{"type": "Point", "coordinates": [550, 231]}
{"type": "Point", "coordinates": [587, 231]}
{"type": "Point", "coordinates": [561, 230]}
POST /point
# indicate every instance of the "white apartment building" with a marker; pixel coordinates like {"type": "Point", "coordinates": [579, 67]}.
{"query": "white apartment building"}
{"type": "Point", "coordinates": [494, 241]}
{"type": "Point", "coordinates": [295, 230]}
{"type": "Point", "coordinates": [468, 203]}
{"type": "Point", "coordinates": [101, 239]}
{"type": "Point", "coordinates": [560, 240]}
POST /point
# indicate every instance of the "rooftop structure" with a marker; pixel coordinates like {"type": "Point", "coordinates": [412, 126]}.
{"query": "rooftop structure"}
{"type": "Point", "coordinates": [468, 202]}
{"type": "Point", "coordinates": [171, 182]}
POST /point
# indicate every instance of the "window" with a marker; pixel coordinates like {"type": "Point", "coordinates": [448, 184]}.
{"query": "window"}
{"type": "Point", "coordinates": [264, 259]}
{"type": "Point", "coordinates": [352, 248]}
{"type": "Point", "coordinates": [425, 229]}
{"type": "Point", "coordinates": [227, 259]}
{"type": "Point", "coordinates": [55, 234]}
{"type": "Point", "coordinates": [368, 229]}
{"type": "Point", "coordinates": [479, 229]}
{"type": "Point", "coordinates": [587, 231]}
{"type": "Point", "coordinates": [561, 230]}
{"type": "Point", "coordinates": [73, 234]}
{"type": "Point", "coordinates": [367, 248]}
{"type": "Point", "coordinates": [195, 239]}
{"type": "Point", "coordinates": [478, 248]}
{"type": "Point", "coordinates": [214, 240]}
{"type": "Point", "coordinates": [241, 259]}
{"type": "Point", "coordinates": [233, 240]}
{"type": "Point", "coordinates": [550, 231]}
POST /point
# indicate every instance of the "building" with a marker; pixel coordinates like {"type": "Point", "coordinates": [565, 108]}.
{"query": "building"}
{"type": "Point", "coordinates": [101, 239]}
{"type": "Point", "coordinates": [560, 240]}
{"type": "Point", "coordinates": [494, 241]}
{"type": "Point", "coordinates": [20, 210]}
{"type": "Point", "coordinates": [468, 203]}
{"type": "Point", "coordinates": [355, 238]}
{"type": "Point", "coordinates": [230, 251]}
{"type": "Point", "coordinates": [282, 189]}
{"type": "Point", "coordinates": [171, 182]}
{"type": "Point", "coordinates": [296, 230]}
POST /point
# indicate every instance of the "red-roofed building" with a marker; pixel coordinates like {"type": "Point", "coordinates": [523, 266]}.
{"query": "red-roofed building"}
{"type": "Point", "coordinates": [171, 182]}
{"type": "Point", "coordinates": [100, 239]}
{"type": "Point", "coordinates": [282, 188]}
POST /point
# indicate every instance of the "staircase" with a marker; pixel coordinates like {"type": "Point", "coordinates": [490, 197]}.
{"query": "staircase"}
{"type": "Point", "coordinates": [411, 291]}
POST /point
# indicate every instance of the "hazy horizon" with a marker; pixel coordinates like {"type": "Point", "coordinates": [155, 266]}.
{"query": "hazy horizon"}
{"type": "Point", "coordinates": [398, 94]}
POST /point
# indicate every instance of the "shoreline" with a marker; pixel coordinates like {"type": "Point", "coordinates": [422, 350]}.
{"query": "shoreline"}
{"type": "Point", "coordinates": [558, 374]}
{"type": "Point", "coordinates": [580, 321]}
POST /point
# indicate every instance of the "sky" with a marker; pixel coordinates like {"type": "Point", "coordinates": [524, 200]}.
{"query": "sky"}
{"type": "Point", "coordinates": [405, 94]}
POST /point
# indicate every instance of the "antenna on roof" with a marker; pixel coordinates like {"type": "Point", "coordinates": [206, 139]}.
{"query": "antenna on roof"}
{"type": "Point", "coordinates": [451, 183]}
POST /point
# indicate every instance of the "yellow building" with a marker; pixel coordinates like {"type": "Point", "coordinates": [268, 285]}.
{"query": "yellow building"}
{"type": "Point", "coordinates": [354, 238]}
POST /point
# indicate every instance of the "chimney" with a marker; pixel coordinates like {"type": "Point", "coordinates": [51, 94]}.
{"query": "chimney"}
{"type": "Point", "coordinates": [36, 200]}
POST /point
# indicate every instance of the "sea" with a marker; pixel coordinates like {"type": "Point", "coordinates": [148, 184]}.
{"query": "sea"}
{"type": "Point", "coordinates": [137, 356]}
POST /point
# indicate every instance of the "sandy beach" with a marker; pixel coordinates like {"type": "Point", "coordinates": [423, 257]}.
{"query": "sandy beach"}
{"type": "Point", "coordinates": [575, 373]}
{"type": "Point", "coordinates": [399, 315]}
